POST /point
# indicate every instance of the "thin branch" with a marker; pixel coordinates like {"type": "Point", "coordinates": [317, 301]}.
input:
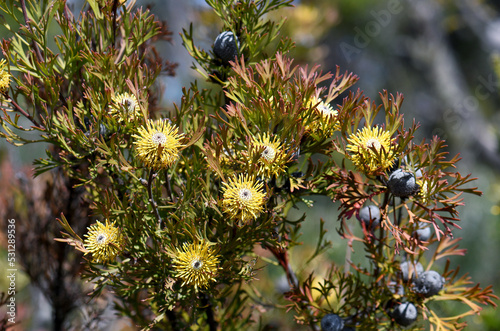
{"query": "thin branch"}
{"type": "Point", "coordinates": [282, 258]}
{"type": "Point", "coordinates": [35, 45]}
{"type": "Point", "coordinates": [400, 213]}
{"type": "Point", "coordinates": [67, 13]}
{"type": "Point", "coordinates": [25, 113]}
{"type": "Point", "coordinates": [348, 253]}
{"type": "Point", "coordinates": [172, 318]}
{"type": "Point", "coordinates": [394, 211]}
{"type": "Point", "coordinates": [381, 233]}
{"type": "Point", "coordinates": [386, 200]}
{"type": "Point", "coordinates": [169, 188]}
{"type": "Point", "coordinates": [115, 7]}
{"type": "Point", "coordinates": [152, 175]}
{"type": "Point", "coordinates": [207, 306]}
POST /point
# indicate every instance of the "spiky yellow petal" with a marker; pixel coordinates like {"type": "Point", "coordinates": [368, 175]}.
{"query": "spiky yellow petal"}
{"type": "Point", "coordinates": [4, 77]}
{"type": "Point", "coordinates": [326, 121]}
{"type": "Point", "coordinates": [196, 264]}
{"type": "Point", "coordinates": [371, 149]}
{"type": "Point", "coordinates": [272, 160]}
{"type": "Point", "coordinates": [243, 198]}
{"type": "Point", "coordinates": [426, 193]}
{"type": "Point", "coordinates": [158, 144]}
{"type": "Point", "coordinates": [125, 107]}
{"type": "Point", "coordinates": [104, 241]}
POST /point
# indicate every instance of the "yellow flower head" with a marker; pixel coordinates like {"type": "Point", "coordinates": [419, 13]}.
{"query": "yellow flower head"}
{"type": "Point", "coordinates": [125, 107]}
{"type": "Point", "coordinates": [327, 121]}
{"type": "Point", "coordinates": [272, 158]}
{"type": "Point", "coordinates": [157, 144]}
{"type": "Point", "coordinates": [323, 108]}
{"type": "Point", "coordinates": [426, 192]}
{"type": "Point", "coordinates": [371, 149]}
{"type": "Point", "coordinates": [103, 241]}
{"type": "Point", "coordinates": [243, 198]}
{"type": "Point", "coordinates": [4, 77]}
{"type": "Point", "coordinates": [196, 264]}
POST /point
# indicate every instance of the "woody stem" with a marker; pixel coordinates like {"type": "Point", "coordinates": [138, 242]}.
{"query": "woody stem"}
{"type": "Point", "coordinates": [152, 176]}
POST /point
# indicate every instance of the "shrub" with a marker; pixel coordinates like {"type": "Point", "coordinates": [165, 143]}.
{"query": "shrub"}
{"type": "Point", "coordinates": [187, 201]}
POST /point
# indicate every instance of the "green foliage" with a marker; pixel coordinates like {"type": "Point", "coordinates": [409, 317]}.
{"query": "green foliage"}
{"type": "Point", "coordinates": [255, 33]}
{"type": "Point", "coordinates": [67, 92]}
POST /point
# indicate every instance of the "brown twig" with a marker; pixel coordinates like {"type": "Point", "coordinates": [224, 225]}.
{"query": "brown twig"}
{"type": "Point", "coordinates": [152, 175]}
{"type": "Point", "coordinates": [25, 114]}
{"type": "Point", "coordinates": [207, 306]}
{"type": "Point", "coordinates": [35, 45]}
{"type": "Point", "coordinates": [282, 257]}
{"type": "Point", "coordinates": [348, 252]}
{"type": "Point", "coordinates": [168, 187]}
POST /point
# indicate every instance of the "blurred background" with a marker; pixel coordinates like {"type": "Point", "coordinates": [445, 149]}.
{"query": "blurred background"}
{"type": "Point", "coordinates": [439, 54]}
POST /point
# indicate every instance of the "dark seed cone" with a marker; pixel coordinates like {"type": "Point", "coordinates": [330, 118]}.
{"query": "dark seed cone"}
{"type": "Point", "coordinates": [226, 46]}
{"type": "Point", "coordinates": [402, 184]}
{"type": "Point", "coordinates": [429, 283]}
{"type": "Point", "coordinates": [370, 215]}
{"type": "Point", "coordinates": [405, 314]}
{"type": "Point", "coordinates": [332, 322]}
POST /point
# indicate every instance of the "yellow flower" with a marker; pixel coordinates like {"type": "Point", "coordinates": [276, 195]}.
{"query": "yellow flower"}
{"type": "Point", "coordinates": [272, 158]}
{"type": "Point", "coordinates": [323, 108]}
{"type": "Point", "coordinates": [371, 149]}
{"type": "Point", "coordinates": [426, 192]}
{"type": "Point", "coordinates": [196, 264]}
{"type": "Point", "coordinates": [4, 77]}
{"type": "Point", "coordinates": [157, 144]}
{"type": "Point", "coordinates": [243, 198]}
{"type": "Point", "coordinates": [103, 241]}
{"type": "Point", "coordinates": [125, 107]}
{"type": "Point", "coordinates": [327, 121]}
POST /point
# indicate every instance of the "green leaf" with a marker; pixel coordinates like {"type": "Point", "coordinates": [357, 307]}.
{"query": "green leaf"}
{"type": "Point", "coordinates": [95, 8]}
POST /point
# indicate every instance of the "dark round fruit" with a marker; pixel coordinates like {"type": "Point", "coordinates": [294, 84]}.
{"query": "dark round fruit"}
{"type": "Point", "coordinates": [405, 314]}
{"type": "Point", "coordinates": [429, 283]}
{"type": "Point", "coordinates": [395, 288]}
{"type": "Point", "coordinates": [332, 322]}
{"type": "Point", "coordinates": [423, 234]}
{"type": "Point", "coordinates": [411, 270]}
{"type": "Point", "coordinates": [226, 46]}
{"type": "Point", "coordinates": [103, 130]}
{"type": "Point", "coordinates": [370, 216]}
{"type": "Point", "coordinates": [402, 184]}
